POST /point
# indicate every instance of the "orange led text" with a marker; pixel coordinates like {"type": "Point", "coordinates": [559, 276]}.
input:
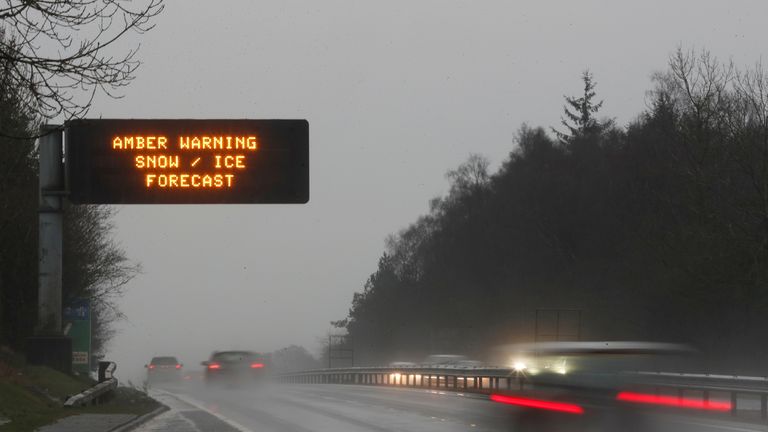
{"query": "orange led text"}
{"type": "Point", "coordinates": [221, 142]}
{"type": "Point", "coordinates": [139, 142]}
{"type": "Point", "coordinates": [237, 161]}
{"type": "Point", "coordinates": [189, 180]}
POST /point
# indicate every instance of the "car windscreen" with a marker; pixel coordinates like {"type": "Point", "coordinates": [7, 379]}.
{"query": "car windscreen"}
{"type": "Point", "coordinates": [605, 363]}
{"type": "Point", "coordinates": [164, 360]}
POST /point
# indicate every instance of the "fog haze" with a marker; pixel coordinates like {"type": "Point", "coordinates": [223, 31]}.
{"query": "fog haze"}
{"type": "Point", "coordinates": [396, 93]}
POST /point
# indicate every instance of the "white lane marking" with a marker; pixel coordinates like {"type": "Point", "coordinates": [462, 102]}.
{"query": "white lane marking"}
{"type": "Point", "coordinates": [201, 406]}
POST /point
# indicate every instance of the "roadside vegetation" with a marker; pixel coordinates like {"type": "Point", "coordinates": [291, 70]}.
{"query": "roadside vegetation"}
{"type": "Point", "coordinates": [654, 230]}
{"type": "Point", "coordinates": [95, 267]}
{"type": "Point", "coordinates": [33, 396]}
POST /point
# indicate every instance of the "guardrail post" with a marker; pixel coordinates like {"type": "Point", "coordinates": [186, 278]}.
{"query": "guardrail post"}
{"type": "Point", "coordinates": [764, 406]}
{"type": "Point", "coordinates": [734, 399]}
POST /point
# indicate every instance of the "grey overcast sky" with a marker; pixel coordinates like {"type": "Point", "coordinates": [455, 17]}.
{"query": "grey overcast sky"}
{"type": "Point", "coordinates": [396, 93]}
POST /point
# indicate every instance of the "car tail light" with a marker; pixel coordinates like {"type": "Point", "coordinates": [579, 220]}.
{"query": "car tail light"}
{"type": "Point", "coordinates": [178, 366]}
{"type": "Point", "coordinates": [257, 365]}
{"type": "Point", "coordinates": [151, 366]}
{"type": "Point", "coordinates": [214, 366]}
{"type": "Point", "coordinates": [672, 401]}
{"type": "Point", "coordinates": [538, 403]}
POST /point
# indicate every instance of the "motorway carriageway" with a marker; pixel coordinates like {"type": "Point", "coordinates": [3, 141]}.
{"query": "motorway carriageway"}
{"type": "Point", "coordinates": [342, 408]}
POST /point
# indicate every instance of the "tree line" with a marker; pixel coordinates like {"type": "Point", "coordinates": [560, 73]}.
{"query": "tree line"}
{"type": "Point", "coordinates": [94, 266]}
{"type": "Point", "coordinates": [38, 84]}
{"type": "Point", "coordinates": [657, 230]}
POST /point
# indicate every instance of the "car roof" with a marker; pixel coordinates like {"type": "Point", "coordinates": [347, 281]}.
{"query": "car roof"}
{"type": "Point", "coordinates": [600, 347]}
{"type": "Point", "coordinates": [169, 359]}
{"type": "Point", "coordinates": [235, 352]}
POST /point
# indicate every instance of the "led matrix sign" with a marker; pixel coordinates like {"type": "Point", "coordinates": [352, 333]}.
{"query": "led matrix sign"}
{"type": "Point", "coordinates": [187, 161]}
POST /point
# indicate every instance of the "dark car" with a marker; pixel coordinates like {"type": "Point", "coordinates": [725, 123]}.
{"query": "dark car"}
{"type": "Point", "coordinates": [164, 368]}
{"type": "Point", "coordinates": [599, 386]}
{"type": "Point", "coordinates": [234, 367]}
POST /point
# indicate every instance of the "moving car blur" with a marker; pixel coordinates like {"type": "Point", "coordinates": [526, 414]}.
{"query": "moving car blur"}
{"type": "Point", "coordinates": [234, 368]}
{"type": "Point", "coordinates": [164, 369]}
{"type": "Point", "coordinates": [598, 386]}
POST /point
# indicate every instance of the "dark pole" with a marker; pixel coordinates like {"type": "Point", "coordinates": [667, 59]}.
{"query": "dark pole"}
{"type": "Point", "coordinates": [49, 346]}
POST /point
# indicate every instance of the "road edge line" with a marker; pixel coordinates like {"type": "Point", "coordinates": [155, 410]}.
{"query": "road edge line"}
{"type": "Point", "coordinates": [140, 420]}
{"type": "Point", "coordinates": [199, 405]}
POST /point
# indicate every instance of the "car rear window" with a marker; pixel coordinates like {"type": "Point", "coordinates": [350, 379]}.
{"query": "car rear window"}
{"type": "Point", "coordinates": [164, 360]}
{"type": "Point", "coordinates": [233, 356]}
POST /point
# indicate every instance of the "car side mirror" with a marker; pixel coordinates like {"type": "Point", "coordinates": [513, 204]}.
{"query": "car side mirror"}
{"type": "Point", "coordinates": [205, 363]}
{"type": "Point", "coordinates": [146, 366]}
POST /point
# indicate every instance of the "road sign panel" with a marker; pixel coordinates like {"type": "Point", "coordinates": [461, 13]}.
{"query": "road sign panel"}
{"type": "Point", "coordinates": [187, 161]}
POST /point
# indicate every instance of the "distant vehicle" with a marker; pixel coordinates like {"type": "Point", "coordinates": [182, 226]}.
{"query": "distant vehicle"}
{"type": "Point", "coordinates": [470, 363]}
{"type": "Point", "coordinates": [442, 360]}
{"type": "Point", "coordinates": [234, 367]}
{"type": "Point", "coordinates": [594, 386]}
{"type": "Point", "coordinates": [164, 368]}
{"type": "Point", "coordinates": [402, 364]}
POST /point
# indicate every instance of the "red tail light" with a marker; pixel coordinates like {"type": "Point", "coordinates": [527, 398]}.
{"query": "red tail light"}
{"type": "Point", "coordinates": [672, 401]}
{"type": "Point", "coordinates": [538, 403]}
{"type": "Point", "coordinates": [214, 366]}
{"type": "Point", "coordinates": [151, 366]}
{"type": "Point", "coordinates": [257, 365]}
{"type": "Point", "coordinates": [178, 366]}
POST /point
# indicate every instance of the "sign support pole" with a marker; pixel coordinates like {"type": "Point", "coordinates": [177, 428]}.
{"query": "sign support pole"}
{"type": "Point", "coordinates": [49, 346]}
{"type": "Point", "coordinates": [50, 234]}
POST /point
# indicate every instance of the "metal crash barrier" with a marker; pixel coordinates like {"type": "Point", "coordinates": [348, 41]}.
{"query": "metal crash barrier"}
{"type": "Point", "coordinates": [747, 396]}
{"type": "Point", "coordinates": [98, 393]}
{"type": "Point", "coordinates": [478, 380]}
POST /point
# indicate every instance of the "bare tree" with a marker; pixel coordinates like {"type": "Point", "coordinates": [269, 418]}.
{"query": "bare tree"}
{"type": "Point", "coordinates": [95, 266]}
{"type": "Point", "coordinates": [470, 175]}
{"type": "Point", "coordinates": [60, 51]}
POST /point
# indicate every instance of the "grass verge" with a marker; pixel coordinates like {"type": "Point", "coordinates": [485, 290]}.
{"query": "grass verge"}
{"type": "Point", "coordinates": [33, 396]}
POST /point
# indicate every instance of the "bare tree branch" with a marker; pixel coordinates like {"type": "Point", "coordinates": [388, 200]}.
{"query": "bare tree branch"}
{"type": "Point", "coordinates": [60, 51]}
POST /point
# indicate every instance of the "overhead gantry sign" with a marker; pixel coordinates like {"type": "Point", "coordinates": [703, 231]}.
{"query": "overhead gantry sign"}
{"type": "Point", "coordinates": [187, 161]}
